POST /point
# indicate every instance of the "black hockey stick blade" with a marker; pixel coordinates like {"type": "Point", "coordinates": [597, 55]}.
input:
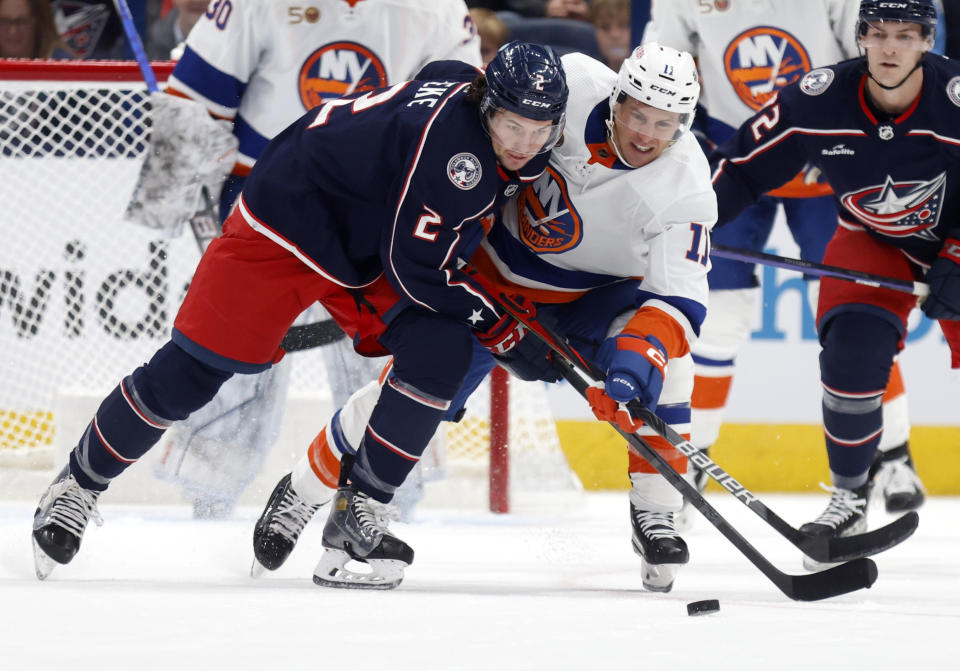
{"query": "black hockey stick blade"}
{"type": "Point", "coordinates": [822, 549]}
{"type": "Point", "coordinates": [861, 545]}
{"type": "Point", "coordinates": [841, 579]}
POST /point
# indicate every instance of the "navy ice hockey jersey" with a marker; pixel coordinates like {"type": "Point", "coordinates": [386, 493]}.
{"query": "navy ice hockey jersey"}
{"type": "Point", "coordinates": [400, 180]}
{"type": "Point", "coordinates": [896, 177]}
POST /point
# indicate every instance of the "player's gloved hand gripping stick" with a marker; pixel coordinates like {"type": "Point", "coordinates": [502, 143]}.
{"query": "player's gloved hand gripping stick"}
{"type": "Point", "coordinates": [855, 574]}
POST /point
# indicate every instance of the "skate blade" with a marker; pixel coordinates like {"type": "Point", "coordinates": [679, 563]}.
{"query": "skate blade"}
{"type": "Point", "coordinates": [43, 564]}
{"type": "Point", "coordinates": [658, 577]}
{"type": "Point", "coordinates": [256, 569]}
{"type": "Point", "coordinates": [332, 571]}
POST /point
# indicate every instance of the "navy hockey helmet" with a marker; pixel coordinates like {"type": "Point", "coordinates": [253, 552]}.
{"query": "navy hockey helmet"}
{"type": "Point", "coordinates": [526, 79]}
{"type": "Point", "coordinates": [923, 12]}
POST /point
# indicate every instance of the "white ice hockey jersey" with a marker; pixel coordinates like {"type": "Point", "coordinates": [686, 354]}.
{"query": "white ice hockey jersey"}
{"type": "Point", "coordinates": [749, 49]}
{"type": "Point", "coordinates": [263, 63]}
{"type": "Point", "coordinates": [591, 220]}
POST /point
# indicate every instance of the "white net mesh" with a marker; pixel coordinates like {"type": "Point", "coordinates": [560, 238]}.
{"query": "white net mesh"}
{"type": "Point", "coordinates": [86, 297]}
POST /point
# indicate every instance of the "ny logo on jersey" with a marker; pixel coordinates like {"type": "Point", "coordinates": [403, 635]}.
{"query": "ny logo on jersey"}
{"type": "Point", "coordinates": [761, 61]}
{"type": "Point", "coordinates": [548, 221]}
{"type": "Point", "coordinates": [339, 69]}
{"type": "Point", "coordinates": [899, 209]}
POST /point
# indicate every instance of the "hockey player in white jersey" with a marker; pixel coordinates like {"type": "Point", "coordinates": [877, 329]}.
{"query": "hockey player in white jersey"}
{"type": "Point", "coordinates": [747, 51]}
{"type": "Point", "coordinates": [260, 65]}
{"type": "Point", "coordinates": [610, 245]}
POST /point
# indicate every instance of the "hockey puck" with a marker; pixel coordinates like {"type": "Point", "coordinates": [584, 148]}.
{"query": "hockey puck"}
{"type": "Point", "coordinates": [703, 607]}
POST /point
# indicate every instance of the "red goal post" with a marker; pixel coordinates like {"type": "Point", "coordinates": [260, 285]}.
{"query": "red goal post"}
{"type": "Point", "coordinates": [86, 297]}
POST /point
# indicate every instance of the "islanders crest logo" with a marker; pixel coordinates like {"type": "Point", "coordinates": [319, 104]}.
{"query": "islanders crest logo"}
{"type": "Point", "coordinates": [339, 69]}
{"type": "Point", "coordinates": [548, 222]}
{"type": "Point", "coordinates": [761, 61]}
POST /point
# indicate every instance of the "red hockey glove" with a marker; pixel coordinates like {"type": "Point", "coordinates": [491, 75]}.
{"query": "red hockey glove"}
{"type": "Point", "coordinates": [944, 280]}
{"type": "Point", "coordinates": [607, 410]}
{"type": "Point", "coordinates": [507, 332]}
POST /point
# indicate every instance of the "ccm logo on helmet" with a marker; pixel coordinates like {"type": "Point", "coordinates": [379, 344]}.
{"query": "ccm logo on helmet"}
{"type": "Point", "coordinates": [660, 89]}
{"type": "Point", "coordinates": [535, 103]}
{"type": "Point", "coordinates": [893, 5]}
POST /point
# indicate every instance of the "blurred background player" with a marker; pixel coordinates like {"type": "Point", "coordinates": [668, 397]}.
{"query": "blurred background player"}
{"type": "Point", "coordinates": [377, 243]}
{"type": "Point", "coordinates": [748, 51]}
{"type": "Point", "coordinates": [259, 66]}
{"type": "Point", "coordinates": [895, 113]}
{"type": "Point", "coordinates": [628, 195]}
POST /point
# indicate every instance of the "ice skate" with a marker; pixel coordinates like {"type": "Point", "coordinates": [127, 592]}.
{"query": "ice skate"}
{"type": "Point", "coordinates": [896, 479]}
{"type": "Point", "coordinates": [59, 522]}
{"type": "Point", "coordinates": [280, 524]}
{"type": "Point", "coordinates": [699, 479]}
{"type": "Point", "coordinates": [661, 549]}
{"type": "Point", "coordinates": [845, 515]}
{"type": "Point", "coordinates": [357, 530]}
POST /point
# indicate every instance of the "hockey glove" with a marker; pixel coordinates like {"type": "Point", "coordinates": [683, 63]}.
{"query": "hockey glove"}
{"type": "Point", "coordinates": [507, 332]}
{"type": "Point", "coordinates": [607, 410]}
{"type": "Point", "coordinates": [530, 360]}
{"type": "Point", "coordinates": [635, 369]}
{"type": "Point", "coordinates": [944, 280]}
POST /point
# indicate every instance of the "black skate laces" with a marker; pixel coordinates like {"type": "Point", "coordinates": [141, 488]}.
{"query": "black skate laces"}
{"type": "Point", "coordinates": [73, 507]}
{"type": "Point", "coordinates": [844, 503]}
{"type": "Point", "coordinates": [655, 525]}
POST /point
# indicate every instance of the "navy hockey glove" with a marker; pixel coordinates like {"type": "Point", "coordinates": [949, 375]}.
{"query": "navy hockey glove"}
{"type": "Point", "coordinates": [944, 280]}
{"type": "Point", "coordinates": [530, 360]}
{"type": "Point", "coordinates": [635, 369]}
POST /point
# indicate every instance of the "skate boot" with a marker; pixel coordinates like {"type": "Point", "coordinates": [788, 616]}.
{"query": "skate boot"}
{"type": "Point", "coordinates": [279, 527]}
{"type": "Point", "coordinates": [357, 530]}
{"type": "Point", "coordinates": [895, 477]}
{"type": "Point", "coordinates": [699, 479]}
{"type": "Point", "coordinates": [59, 522]}
{"type": "Point", "coordinates": [845, 515]}
{"type": "Point", "coordinates": [661, 550]}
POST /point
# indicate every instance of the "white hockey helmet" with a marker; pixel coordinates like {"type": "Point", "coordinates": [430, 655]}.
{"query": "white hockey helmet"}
{"type": "Point", "coordinates": [661, 77]}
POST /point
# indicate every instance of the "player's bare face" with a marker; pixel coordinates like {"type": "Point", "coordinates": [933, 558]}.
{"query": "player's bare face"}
{"type": "Point", "coordinates": [642, 132]}
{"type": "Point", "coordinates": [517, 139]}
{"type": "Point", "coordinates": [893, 49]}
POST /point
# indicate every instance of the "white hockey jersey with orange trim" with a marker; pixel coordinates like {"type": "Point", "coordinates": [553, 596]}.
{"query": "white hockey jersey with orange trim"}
{"type": "Point", "coordinates": [747, 50]}
{"type": "Point", "coordinates": [591, 220]}
{"type": "Point", "coordinates": [263, 63]}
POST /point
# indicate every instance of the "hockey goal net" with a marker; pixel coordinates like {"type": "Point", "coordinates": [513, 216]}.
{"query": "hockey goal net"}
{"type": "Point", "coordinates": [86, 297]}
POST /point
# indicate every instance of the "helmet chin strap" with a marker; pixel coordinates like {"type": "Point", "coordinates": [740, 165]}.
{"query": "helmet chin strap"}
{"type": "Point", "coordinates": [613, 142]}
{"type": "Point", "coordinates": [900, 83]}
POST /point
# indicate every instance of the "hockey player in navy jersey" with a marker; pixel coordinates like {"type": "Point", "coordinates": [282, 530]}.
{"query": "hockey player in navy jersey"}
{"type": "Point", "coordinates": [747, 52]}
{"type": "Point", "coordinates": [610, 247]}
{"type": "Point", "coordinates": [365, 204]}
{"type": "Point", "coordinates": [257, 66]}
{"type": "Point", "coordinates": [883, 129]}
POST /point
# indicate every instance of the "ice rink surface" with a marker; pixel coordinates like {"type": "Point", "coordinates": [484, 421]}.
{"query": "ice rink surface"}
{"type": "Point", "coordinates": [154, 589]}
